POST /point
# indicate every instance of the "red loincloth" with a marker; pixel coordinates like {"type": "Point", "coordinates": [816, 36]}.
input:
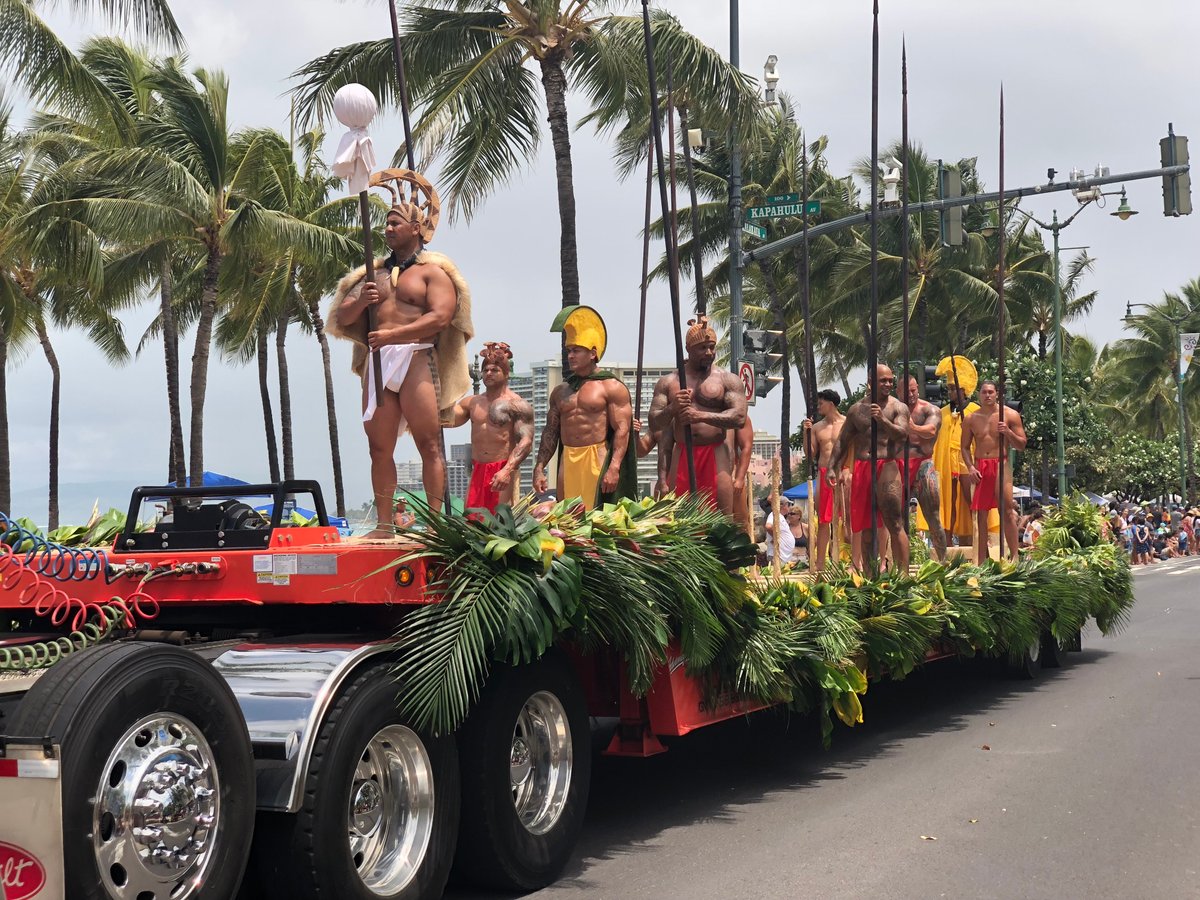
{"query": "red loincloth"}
{"type": "Point", "coordinates": [985, 492]}
{"type": "Point", "coordinates": [480, 494]}
{"type": "Point", "coordinates": [914, 465]}
{"type": "Point", "coordinates": [825, 499]}
{"type": "Point", "coordinates": [860, 495]}
{"type": "Point", "coordinates": [706, 472]}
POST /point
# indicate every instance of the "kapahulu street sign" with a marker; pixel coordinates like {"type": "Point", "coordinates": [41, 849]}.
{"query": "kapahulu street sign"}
{"type": "Point", "coordinates": [779, 210]}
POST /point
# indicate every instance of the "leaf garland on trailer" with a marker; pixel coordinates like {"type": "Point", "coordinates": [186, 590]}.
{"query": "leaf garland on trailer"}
{"type": "Point", "coordinates": [632, 575]}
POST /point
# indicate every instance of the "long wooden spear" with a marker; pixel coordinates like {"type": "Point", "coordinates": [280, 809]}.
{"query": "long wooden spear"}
{"type": "Point", "coordinates": [410, 154]}
{"type": "Point", "coordinates": [637, 402]}
{"type": "Point", "coordinates": [873, 349]}
{"type": "Point", "coordinates": [1000, 340]}
{"type": "Point", "coordinates": [904, 224]}
{"type": "Point", "coordinates": [656, 128]}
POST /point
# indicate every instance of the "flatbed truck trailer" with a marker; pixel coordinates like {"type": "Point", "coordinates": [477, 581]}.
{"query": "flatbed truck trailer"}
{"type": "Point", "coordinates": [239, 736]}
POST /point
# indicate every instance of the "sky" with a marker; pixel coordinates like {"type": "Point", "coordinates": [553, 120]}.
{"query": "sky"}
{"type": "Point", "coordinates": [1085, 83]}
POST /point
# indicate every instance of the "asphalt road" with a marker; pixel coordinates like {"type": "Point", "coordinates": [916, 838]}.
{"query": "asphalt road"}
{"type": "Point", "coordinates": [1083, 783]}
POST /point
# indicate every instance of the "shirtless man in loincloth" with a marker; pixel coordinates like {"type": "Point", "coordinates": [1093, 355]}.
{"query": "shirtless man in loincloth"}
{"type": "Point", "coordinates": [591, 415]}
{"type": "Point", "coordinates": [501, 432]}
{"type": "Point", "coordinates": [891, 418]}
{"type": "Point", "coordinates": [821, 438]}
{"type": "Point", "coordinates": [982, 432]}
{"type": "Point", "coordinates": [924, 420]}
{"type": "Point", "coordinates": [712, 403]}
{"type": "Point", "coordinates": [415, 302]}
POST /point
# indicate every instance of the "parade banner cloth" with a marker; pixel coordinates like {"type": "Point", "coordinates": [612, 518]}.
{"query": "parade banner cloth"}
{"type": "Point", "coordinates": [1187, 349]}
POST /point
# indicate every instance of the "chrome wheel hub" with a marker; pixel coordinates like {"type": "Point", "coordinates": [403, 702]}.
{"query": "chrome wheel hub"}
{"type": "Point", "coordinates": [156, 813]}
{"type": "Point", "coordinates": [390, 814]}
{"type": "Point", "coordinates": [540, 762]}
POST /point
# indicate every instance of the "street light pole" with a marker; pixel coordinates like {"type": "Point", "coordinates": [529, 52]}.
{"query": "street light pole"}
{"type": "Point", "coordinates": [1060, 449]}
{"type": "Point", "coordinates": [1184, 439]}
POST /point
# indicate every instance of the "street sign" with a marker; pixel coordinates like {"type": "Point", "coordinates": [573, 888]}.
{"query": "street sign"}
{"type": "Point", "coordinates": [755, 231]}
{"type": "Point", "coordinates": [779, 199]}
{"type": "Point", "coordinates": [778, 211]}
{"type": "Point", "coordinates": [746, 372]}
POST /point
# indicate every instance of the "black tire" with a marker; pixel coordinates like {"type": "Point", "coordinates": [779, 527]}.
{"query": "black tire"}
{"type": "Point", "coordinates": [1027, 665]}
{"type": "Point", "coordinates": [308, 855]}
{"type": "Point", "coordinates": [495, 849]}
{"type": "Point", "coordinates": [91, 703]}
{"type": "Point", "coordinates": [1052, 653]}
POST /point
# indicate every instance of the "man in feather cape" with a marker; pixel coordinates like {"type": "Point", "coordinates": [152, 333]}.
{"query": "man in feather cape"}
{"type": "Point", "coordinates": [423, 325]}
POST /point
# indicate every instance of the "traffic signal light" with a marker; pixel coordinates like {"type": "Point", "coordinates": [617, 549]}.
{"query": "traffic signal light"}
{"type": "Point", "coordinates": [951, 220]}
{"type": "Point", "coordinates": [1177, 189]}
{"type": "Point", "coordinates": [761, 348]}
{"type": "Point", "coordinates": [929, 385]}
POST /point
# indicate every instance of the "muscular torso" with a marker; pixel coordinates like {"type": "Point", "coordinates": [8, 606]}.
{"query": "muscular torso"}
{"type": "Point", "coordinates": [824, 434]}
{"type": "Point", "coordinates": [583, 414]}
{"type": "Point", "coordinates": [922, 414]}
{"type": "Point", "coordinates": [984, 428]}
{"type": "Point", "coordinates": [407, 301]}
{"type": "Point", "coordinates": [494, 426]}
{"type": "Point", "coordinates": [858, 419]}
{"type": "Point", "coordinates": [709, 393]}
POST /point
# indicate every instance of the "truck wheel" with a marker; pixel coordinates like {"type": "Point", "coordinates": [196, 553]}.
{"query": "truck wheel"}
{"type": "Point", "coordinates": [526, 763]}
{"type": "Point", "coordinates": [1028, 664]}
{"type": "Point", "coordinates": [380, 809]}
{"type": "Point", "coordinates": [157, 773]}
{"type": "Point", "coordinates": [1052, 653]}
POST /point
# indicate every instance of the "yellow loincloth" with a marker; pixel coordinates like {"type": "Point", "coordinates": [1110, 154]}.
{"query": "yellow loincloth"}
{"type": "Point", "coordinates": [947, 459]}
{"type": "Point", "coordinates": [580, 472]}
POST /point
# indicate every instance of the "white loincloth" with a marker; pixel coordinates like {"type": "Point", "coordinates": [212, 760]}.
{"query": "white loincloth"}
{"type": "Point", "coordinates": [395, 360]}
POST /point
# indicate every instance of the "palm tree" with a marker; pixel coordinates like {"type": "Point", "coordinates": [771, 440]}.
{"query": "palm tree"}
{"type": "Point", "coordinates": [280, 290]}
{"type": "Point", "coordinates": [473, 68]}
{"type": "Point", "coordinates": [180, 185]}
{"type": "Point", "coordinates": [34, 55]}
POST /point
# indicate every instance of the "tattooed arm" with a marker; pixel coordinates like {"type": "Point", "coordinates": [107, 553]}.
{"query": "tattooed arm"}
{"type": "Point", "coordinates": [520, 414]}
{"type": "Point", "coordinates": [549, 443]}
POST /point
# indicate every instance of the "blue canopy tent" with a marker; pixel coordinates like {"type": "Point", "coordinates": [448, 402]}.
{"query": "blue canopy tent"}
{"type": "Point", "coordinates": [797, 491]}
{"type": "Point", "coordinates": [214, 479]}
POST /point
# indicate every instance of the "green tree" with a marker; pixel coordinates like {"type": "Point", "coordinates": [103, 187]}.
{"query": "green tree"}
{"type": "Point", "coordinates": [180, 184]}
{"type": "Point", "coordinates": [473, 68]}
{"type": "Point", "coordinates": [34, 55]}
{"type": "Point", "coordinates": [277, 291]}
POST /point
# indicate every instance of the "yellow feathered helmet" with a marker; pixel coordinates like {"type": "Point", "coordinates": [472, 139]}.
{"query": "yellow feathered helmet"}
{"type": "Point", "coordinates": [959, 371]}
{"type": "Point", "coordinates": [582, 327]}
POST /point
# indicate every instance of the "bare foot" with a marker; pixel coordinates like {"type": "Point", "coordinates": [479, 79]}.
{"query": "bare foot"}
{"type": "Point", "coordinates": [382, 533]}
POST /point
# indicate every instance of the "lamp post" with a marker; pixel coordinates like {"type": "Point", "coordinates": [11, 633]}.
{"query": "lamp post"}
{"type": "Point", "coordinates": [1184, 429]}
{"type": "Point", "coordinates": [1086, 199]}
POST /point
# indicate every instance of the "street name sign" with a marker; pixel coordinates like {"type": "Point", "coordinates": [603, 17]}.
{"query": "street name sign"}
{"type": "Point", "coordinates": [777, 211]}
{"type": "Point", "coordinates": [755, 231]}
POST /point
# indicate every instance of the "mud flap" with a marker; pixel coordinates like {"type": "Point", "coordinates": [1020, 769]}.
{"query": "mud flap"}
{"type": "Point", "coordinates": [31, 828]}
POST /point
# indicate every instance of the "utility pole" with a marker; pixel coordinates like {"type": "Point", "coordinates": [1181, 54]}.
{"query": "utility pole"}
{"type": "Point", "coordinates": [735, 210]}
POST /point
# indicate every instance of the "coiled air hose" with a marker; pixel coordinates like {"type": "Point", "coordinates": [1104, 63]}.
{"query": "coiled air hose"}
{"type": "Point", "coordinates": [46, 653]}
{"type": "Point", "coordinates": [49, 558]}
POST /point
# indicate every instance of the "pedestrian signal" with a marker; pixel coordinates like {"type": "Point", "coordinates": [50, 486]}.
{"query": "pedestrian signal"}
{"type": "Point", "coordinates": [763, 349]}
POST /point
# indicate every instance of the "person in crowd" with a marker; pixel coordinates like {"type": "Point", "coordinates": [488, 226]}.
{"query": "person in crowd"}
{"type": "Point", "coordinates": [780, 540]}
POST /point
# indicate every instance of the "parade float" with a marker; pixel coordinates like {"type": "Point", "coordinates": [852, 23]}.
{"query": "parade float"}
{"type": "Point", "coordinates": [398, 707]}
